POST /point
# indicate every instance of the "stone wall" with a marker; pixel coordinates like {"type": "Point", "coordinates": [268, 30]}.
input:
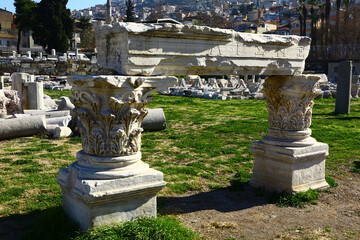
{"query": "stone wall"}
{"type": "Point", "coordinates": [53, 68]}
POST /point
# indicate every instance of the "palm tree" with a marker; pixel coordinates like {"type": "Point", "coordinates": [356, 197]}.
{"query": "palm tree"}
{"type": "Point", "coordinates": [327, 31]}
{"type": "Point", "coordinates": [314, 19]}
{"type": "Point", "coordinates": [322, 29]}
{"type": "Point", "coordinates": [304, 18]}
{"type": "Point", "coordinates": [336, 40]}
{"type": "Point", "coordinates": [83, 23]}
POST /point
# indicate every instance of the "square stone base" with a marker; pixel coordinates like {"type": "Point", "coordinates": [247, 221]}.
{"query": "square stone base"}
{"type": "Point", "coordinates": [289, 169]}
{"type": "Point", "coordinates": [93, 203]}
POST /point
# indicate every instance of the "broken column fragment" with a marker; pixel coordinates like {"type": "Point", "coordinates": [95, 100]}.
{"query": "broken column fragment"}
{"type": "Point", "coordinates": [176, 49]}
{"type": "Point", "coordinates": [154, 120]}
{"type": "Point", "coordinates": [22, 127]}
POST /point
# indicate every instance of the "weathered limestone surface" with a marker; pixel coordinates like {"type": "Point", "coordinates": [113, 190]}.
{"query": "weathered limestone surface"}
{"type": "Point", "coordinates": [22, 127]}
{"type": "Point", "coordinates": [288, 158]}
{"type": "Point", "coordinates": [35, 92]}
{"type": "Point", "coordinates": [176, 49]}
{"type": "Point", "coordinates": [31, 91]}
{"type": "Point", "coordinates": [154, 120]}
{"type": "Point", "coordinates": [10, 103]}
{"type": "Point", "coordinates": [109, 183]}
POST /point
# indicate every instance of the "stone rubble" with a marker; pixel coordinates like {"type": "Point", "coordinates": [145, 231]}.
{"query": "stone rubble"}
{"type": "Point", "coordinates": [242, 88]}
{"type": "Point", "coordinates": [213, 88]}
{"type": "Point", "coordinates": [58, 113]}
{"type": "Point", "coordinates": [10, 103]}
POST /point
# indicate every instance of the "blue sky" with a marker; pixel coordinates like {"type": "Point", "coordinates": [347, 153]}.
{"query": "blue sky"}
{"type": "Point", "coordinates": [72, 4]}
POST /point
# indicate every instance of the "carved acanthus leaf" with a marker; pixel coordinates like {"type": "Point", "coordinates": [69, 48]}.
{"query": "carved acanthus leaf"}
{"type": "Point", "coordinates": [290, 105]}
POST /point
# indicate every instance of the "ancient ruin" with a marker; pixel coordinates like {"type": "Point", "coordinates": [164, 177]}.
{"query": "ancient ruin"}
{"type": "Point", "coordinates": [288, 158]}
{"type": "Point", "coordinates": [109, 182]}
{"type": "Point", "coordinates": [176, 49]}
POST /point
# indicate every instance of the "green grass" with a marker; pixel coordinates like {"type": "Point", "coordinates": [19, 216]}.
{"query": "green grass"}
{"type": "Point", "coordinates": [52, 224]}
{"type": "Point", "coordinates": [204, 148]}
{"type": "Point", "coordinates": [298, 200]}
{"type": "Point", "coordinates": [162, 228]}
{"type": "Point", "coordinates": [57, 94]}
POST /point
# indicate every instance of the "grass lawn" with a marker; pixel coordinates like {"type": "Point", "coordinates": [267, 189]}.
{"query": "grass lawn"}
{"type": "Point", "coordinates": [205, 147]}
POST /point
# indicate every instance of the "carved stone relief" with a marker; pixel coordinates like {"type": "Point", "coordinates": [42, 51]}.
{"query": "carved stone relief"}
{"type": "Point", "coordinates": [111, 110]}
{"type": "Point", "coordinates": [290, 100]}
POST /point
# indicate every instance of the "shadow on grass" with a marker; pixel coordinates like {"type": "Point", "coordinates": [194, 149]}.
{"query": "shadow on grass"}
{"type": "Point", "coordinates": [47, 224]}
{"type": "Point", "coordinates": [222, 200]}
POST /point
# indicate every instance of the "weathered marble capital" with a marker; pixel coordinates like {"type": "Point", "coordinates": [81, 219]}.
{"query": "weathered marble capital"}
{"type": "Point", "coordinates": [287, 158]}
{"type": "Point", "coordinates": [289, 103]}
{"type": "Point", "coordinates": [109, 183]}
{"type": "Point", "coordinates": [111, 110]}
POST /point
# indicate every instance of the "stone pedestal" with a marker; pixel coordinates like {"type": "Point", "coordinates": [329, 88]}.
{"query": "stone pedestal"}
{"type": "Point", "coordinates": [288, 158]}
{"type": "Point", "coordinates": [109, 183]}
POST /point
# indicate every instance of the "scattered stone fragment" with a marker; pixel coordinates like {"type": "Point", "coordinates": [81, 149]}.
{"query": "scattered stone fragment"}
{"type": "Point", "coordinates": [65, 104]}
{"type": "Point", "coordinates": [154, 120]}
{"type": "Point", "coordinates": [10, 103]}
{"type": "Point", "coordinates": [59, 121]}
{"type": "Point", "coordinates": [22, 127]}
{"type": "Point", "coordinates": [64, 132]}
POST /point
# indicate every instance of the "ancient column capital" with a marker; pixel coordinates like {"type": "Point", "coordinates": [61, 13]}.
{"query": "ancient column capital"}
{"type": "Point", "coordinates": [290, 100]}
{"type": "Point", "coordinates": [111, 110]}
{"type": "Point", "coordinates": [287, 158]}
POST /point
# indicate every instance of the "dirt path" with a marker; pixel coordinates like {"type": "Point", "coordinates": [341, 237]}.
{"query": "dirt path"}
{"type": "Point", "coordinates": [226, 214]}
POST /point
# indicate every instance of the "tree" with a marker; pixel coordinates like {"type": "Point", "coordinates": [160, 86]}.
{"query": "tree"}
{"type": "Point", "coordinates": [210, 19]}
{"type": "Point", "coordinates": [304, 18]}
{"type": "Point", "coordinates": [25, 13]}
{"type": "Point", "coordinates": [338, 5]}
{"type": "Point", "coordinates": [234, 12]}
{"type": "Point", "coordinates": [327, 25]}
{"type": "Point", "coordinates": [314, 19]}
{"type": "Point", "coordinates": [129, 11]}
{"type": "Point", "coordinates": [322, 30]}
{"type": "Point", "coordinates": [154, 15]}
{"type": "Point", "coordinates": [87, 34]}
{"type": "Point", "coordinates": [83, 23]}
{"type": "Point", "coordinates": [53, 26]}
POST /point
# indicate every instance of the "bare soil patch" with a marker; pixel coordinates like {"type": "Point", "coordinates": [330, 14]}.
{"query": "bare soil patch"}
{"type": "Point", "coordinates": [226, 214]}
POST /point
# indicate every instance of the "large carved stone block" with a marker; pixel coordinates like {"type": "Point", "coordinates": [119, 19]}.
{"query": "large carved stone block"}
{"type": "Point", "coordinates": [288, 158]}
{"type": "Point", "coordinates": [176, 49]}
{"type": "Point", "coordinates": [109, 183]}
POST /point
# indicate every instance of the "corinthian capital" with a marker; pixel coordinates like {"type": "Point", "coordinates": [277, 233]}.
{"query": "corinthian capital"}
{"type": "Point", "coordinates": [111, 110]}
{"type": "Point", "coordinates": [290, 100]}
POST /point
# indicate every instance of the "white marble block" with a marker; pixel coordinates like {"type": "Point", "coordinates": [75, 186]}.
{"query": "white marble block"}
{"type": "Point", "coordinates": [176, 49]}
{"type": "Point", "coordinates": [109, 182]}
{"type": "Point", "coordinates": [288, 158]}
